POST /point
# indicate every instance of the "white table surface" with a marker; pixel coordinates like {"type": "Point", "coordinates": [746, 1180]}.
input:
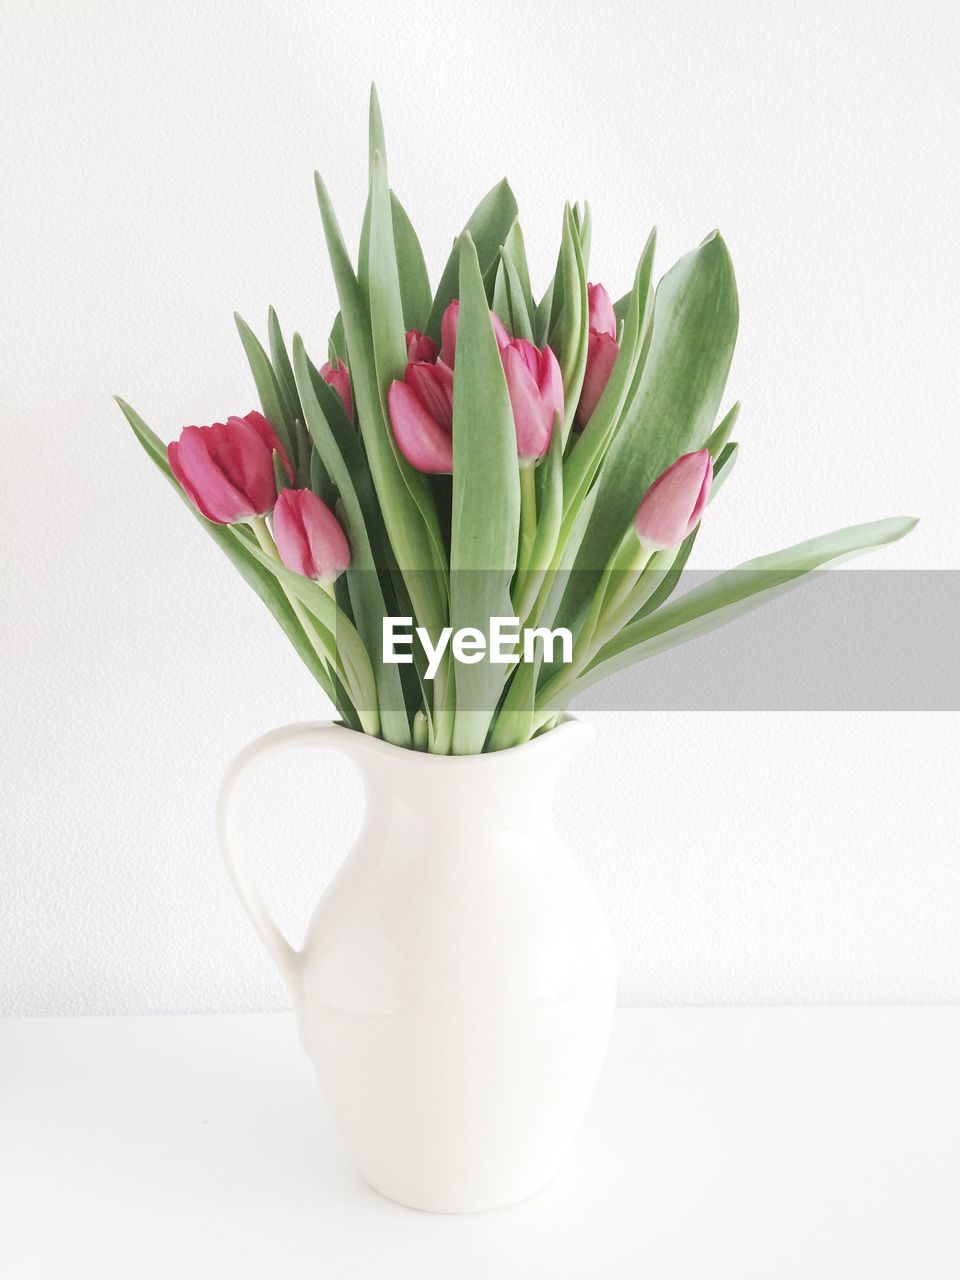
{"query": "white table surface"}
{"type": "Point", "coordinates": [740, 1143]}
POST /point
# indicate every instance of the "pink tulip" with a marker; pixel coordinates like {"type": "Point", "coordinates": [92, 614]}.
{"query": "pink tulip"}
{"type": "Point", "coordinates": [227, 470]}
{"type": "Point", "coordinates": [603, 318]}
{"type": "Point", "coordinates": [672, 506]}
{"type": "Point", "coordinates": [536, 395]}
{"type": "Point", "coordinates": [421, 414]}
{"type": "Point", "coordinates": [448, 332]}
{"type": "Point", "coordinates": [309, 537]}
{"type": "Point", "coordinates": [420, 347]}
{"type": "Point", "coordinates": [602, 352]}
{"type": "Point", "coordinates": [339, 379]}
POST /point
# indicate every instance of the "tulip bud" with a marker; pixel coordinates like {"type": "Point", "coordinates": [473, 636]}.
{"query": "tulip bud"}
{"type": "Point", "coordinates": [309, 537]}
{"type": "Point", "coordinates": [535, 385]}
{"type": "Point", "coordinates": [602, 352]}
{"type": "Point", "coordinates": [420, 347]}
{"type": "Point", "coordinates": [421, 414]}
{"type": "Point", "coordinates": [226, 470]}
{"type": "Point", "coordinates": [603, 318]}
{"type": "Point", "coordinates": [448, 332]}
{"type": "Point", "coordinates": [672, 506]}
{"type": "Point", "coordinates": [339, 379]}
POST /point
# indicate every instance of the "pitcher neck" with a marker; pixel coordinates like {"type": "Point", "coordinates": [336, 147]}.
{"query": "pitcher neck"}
{"type": "Point", "coordinates": [518, 783]}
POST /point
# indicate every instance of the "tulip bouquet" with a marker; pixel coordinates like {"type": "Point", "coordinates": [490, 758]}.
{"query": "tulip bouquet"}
{"type": "Point", "coordinates": [469, 455]}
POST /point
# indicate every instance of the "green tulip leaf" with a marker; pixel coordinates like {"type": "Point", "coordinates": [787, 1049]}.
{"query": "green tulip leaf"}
{"type": "Point", "coordinates": [570, 334]}
{"type": "Point", "coordinates": [587, 454]}
{"type": "Point", "coordinates": [415, 295]}
{"type": "Point", "coordinates": [401, 492]}
{"type": "Point", "coordinates": [279, 473]}
{"type": "Point", "coordinates": [500, 302]}
{"type": "Point", "coordinates": [542, 315]}
{"type": "Point", "coordinates": [723, 467]}
{"type": "Point", "coordinates": [415, 292]}
{"type": "Point", "coordinates": [583, 220]}
{"type": "Point", "coordinates": [716, 441]}
{"type": "Point", "coordinates": [668, 566]}
{"type": "Point", "coordinates": [428, 590]}
{"type": "Point", "coordinates": [319, 480]}
{"type": "Point", "coordinates": [732, 594]}
{"type": "Point", "coordinates": [515, 250]}
{"type": "Point", "coordinates": [488, 226]}
{"type": "Point", "coordinates": [363, 581]}
{"type": "Point", "coordinates": [408, 512]}
{"type": "Point", "coordinates": [486, 500]}
{"type": "Point", "coordinates": [337, 342]}
{"type": "Point", "coordinates": [549, 490]}
{"type": "Point", "coordinates": [268, 389]}
{"type": "Point", "coordinates": [521, 322]}
{"type": "Point", "coordinates": [386, 304]}
{"type": "Point", "coordinates": [693, 332]}
{"type": "Point", "coordinates": [282, 369]}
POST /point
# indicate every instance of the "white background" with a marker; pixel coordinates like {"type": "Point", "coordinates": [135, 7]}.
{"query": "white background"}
{"type": "Point", "coordinates": [157, 173]}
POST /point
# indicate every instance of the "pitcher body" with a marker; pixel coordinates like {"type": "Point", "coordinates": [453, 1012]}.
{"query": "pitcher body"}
{"type": "Point", "coordinates": [456, 984]}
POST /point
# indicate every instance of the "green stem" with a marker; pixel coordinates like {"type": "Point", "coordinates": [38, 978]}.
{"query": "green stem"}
{"type": "Point", "coordinates": [444, 705]}
{"type": "Point", "coordinates": [624, 611]}
{"type": "Point", "coordinates": [626, 573]}
{"type": "Point", "coordinates": [369, 717]}
{"type": "Point", "coordinates": [269, 547]}
{"type": "Point", "coordinates": [534, 614]}
{"type": "Point", "coordinates": [528, 514]}
{"type": "Point", "coordinates": [616, 585]}
{"type": "Point", "coordinates": [421, 732]}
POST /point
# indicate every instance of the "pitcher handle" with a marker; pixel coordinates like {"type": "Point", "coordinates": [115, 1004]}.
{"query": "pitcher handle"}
{"type": "Point", "coordinates": [310, 734]}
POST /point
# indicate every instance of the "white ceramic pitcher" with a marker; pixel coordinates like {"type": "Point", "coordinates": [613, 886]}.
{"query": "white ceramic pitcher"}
{"type": "Point", "coordinates": [456, 984]}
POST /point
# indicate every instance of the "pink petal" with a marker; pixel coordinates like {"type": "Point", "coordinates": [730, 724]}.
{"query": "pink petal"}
{"type": "Point", "coordinates": [339, 379]}
{"type": "Point", "coordinates": [290, 535]}
{"type": "Point", "coordinates": [602, 351]}
{"type": "Point", "coordinates": [420, 347]}
{"type": "Point", "coordinates": [550, 382]}
{"type": "Point", "coordinates": [180, 475]}
{"type": "Point", "coordinates": [448, 332]}
{"type": "Point", "coordinates": [527, 352]}
{"type": "Point", "coordinates": [672, 506]}
{"type": "Point", "coordinates": [329, 548]}
{"type": "Point", "coordinates": [424, 443]}
{"type": "Point", "coordinates": [603, 318]}
{"type": "Point", "coordinates": [269, 437]}
{"type": "Point", "coordinates": [247, 459]}
{"type": "Point", "coordinates": [499, 331]}
{"type": "Point", "coordinates": [532, 418]}
{"type": "Point", "coordinates": [433, 384]}
{"type": "Point", "coordinates": [308, 536]}
{"type": "Point", "coordinates": [213, 493]}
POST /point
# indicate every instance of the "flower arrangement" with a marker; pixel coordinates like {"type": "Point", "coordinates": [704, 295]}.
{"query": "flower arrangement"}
{"type": "Point", "coordinates": [470, 454]}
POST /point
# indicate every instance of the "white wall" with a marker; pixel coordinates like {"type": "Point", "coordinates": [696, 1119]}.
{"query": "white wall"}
{"type": "Point", "coordinates": [157, 163]}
